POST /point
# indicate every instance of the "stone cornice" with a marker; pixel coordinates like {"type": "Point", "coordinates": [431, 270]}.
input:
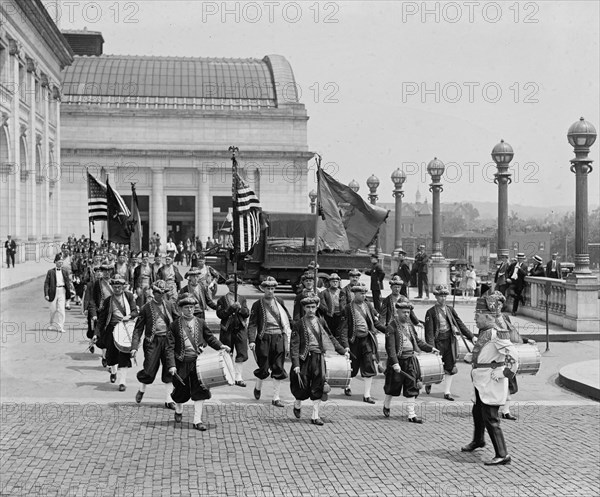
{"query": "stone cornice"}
{"type": "Point", "coordinates": [217, 154]}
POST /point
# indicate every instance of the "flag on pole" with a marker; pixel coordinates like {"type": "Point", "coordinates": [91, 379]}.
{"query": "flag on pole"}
{"type": "Point", "coordinates": [97, 210]}
{"type": "Point", "coordinates": [248, 217]}
{"type": "Point", "coordinates": [338, 202]}
{"type": "Point", "coordinates": [135, 223]}
{"type": "Point", "coordinates": [118, 217]}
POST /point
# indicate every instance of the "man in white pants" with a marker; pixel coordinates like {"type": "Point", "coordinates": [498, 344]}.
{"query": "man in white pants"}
{"type": "Point", "coordinates": [57, 290]}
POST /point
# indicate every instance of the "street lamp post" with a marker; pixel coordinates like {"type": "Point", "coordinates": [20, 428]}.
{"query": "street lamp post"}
{"type": "Point", "coordinates": [440, 267]}
{"type": "Point", "coordinates": [354, 186]}
{"type": "Point", "coordinates": [502, 154]}
{"type": "Point", "coordinates": [313, 201]}
{"type": "Point", "coordinates": [398, 178]}
{"type": "Point", "coordinates": [373, 184]}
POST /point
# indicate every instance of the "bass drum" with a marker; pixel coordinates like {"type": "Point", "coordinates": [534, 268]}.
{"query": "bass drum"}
{"type": "Point", "coordinates": [122, 335]}
{"type": "Point", "coordinates": [215, 369]}
{"type": "Point", "coordinates": [338, 371]}
{"type": "Point", "coordinates": [529, 359]}
{"type": "Point", "coordinates": [432, 369]}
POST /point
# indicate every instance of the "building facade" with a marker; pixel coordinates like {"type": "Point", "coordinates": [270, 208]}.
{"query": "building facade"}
{"type": "Point", "coordinates": [166, 123]}
{"type": "Point", "coordinates": [33, 53]}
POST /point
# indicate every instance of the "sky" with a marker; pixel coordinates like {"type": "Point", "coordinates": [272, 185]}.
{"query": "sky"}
{"type": "Point", "coordinates": [393, 84]}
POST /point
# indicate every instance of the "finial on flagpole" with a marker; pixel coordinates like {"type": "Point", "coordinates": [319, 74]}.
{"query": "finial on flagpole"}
{"type": "Point", "coordinates": [234, 150]}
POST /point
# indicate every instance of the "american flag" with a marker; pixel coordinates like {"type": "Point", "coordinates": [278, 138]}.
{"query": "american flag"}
{"type": "Point", "coordinates": [247, 206]}
{"type": "Point", "coordinates": [97, 208]}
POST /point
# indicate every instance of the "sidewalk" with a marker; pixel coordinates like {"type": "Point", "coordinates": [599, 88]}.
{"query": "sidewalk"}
{"type": "Point", "coordinates": [22, 273]}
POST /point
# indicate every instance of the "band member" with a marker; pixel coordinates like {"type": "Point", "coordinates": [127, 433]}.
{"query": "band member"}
{"type": "Point", "coordinates": [171, 276]}
{"type": "Point", "coordinates": [101, 290]}
{"type": "Point", "coordinates": [156, 265]}
{"type": "Point", "coordinates": [403, 273]}
{"type": "Point", "coordinates": [442, 331]}
{"type": "Point", "coordinates": [154, 320]}
{"type": "Point", "coordinates": [133, 263]}
{"type": "Point", "coordinates": [233, 313]}
{"type": "Point", "coordinates": [119, 307]}
{"type": "Point", "coordinates": [87, 302]}
{"type": "Point", "coordinates": [186, 338]}
{"type": "Point", "coordinates": [377, 275]}
{"type": "Point", "coordinates": [403, 373]}
{"type": "Point", "coordinates": [310, 339]}
{"type": "Point", "coordinates": [199, 292]}
{"type": "Point", "coordinates": [57, 291]}
{"type": "Point", "coordinates": [516, 280]}
{"type": "Point", "coordinates": [143, 278]}
{"type": "Point", "coordinates": [553, 267]}
{"type": "Point", "coordinates": [307, 286]}
{"type": "Point", "coordinates": [121, 266]}
{"type": "Point", "coordinates": [494, 361]}
{"type": "Point", "coordinates": [207, 275]}
{"type": "Point", "coordinates": [268, 332]}
{"type": "Point", "coordinates": [359, 333]}
{"type": "Point", "coordinates": [354, 275]}
{"type": "Point", "coordinates": [388, 304]}
{"type": "Point", "coordinates": [500, 278]}
{"type": "Point", "coordinates": [332, 305]}
{"type": "Point", "coordinates": [421, 265]}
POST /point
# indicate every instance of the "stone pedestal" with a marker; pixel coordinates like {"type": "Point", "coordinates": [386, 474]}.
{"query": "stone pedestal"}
{"type": "Point", "coordinates": [440, 272]}
{"type": "Point", "coordinates": [582, 303]}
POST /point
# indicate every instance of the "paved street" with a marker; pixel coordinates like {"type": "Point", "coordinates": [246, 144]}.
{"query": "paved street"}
{"type": "Point", "coordinates": [65, 430]}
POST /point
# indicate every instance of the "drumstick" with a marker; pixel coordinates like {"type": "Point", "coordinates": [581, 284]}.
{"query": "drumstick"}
{"type": "Point", "coordinates": [178, 378]}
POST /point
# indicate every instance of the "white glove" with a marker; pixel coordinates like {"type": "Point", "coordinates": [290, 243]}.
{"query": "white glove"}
{"type": "Point", "coordinates": [497, 374]}
{"type": "Point", "coordinates": [226, 348]}
{"type": "Point", "coordinates": [252, 345]}
{"type": "Point", "coordinates": [172, 371]}
{"type": "Point", "coordinates": [133, 352]}
{"type": "Point", "coordinates": [435, 351]}
{"type": "Point", "coordinates": [396, 367]}
{"type": "Point", "coordinates": [297, 370]}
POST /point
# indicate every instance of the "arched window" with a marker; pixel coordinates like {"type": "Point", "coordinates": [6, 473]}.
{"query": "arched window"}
{"type": "Point", "coordinates": [38, 164]}
{"type": "Point", "coordinates": [23, 157]}
{"type": "Point", "coordinates": [4, 150]}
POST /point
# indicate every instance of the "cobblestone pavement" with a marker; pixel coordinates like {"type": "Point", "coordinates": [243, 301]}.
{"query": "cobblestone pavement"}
{"type": "Point", "coordinates": [254, 449]}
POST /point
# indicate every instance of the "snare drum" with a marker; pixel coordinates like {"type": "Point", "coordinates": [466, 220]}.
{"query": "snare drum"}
{"type": "Point", "coordinates": [215, 369]}
{"type": "Point", "coordinates": [338, 371]}
{"type": "Point", "coordinates": [529, 358]}
{"type": "Point", "coordinates": [462, 348]}
{"type": "Point", "coordinates": [432, 369]}
{"type": "Point", "coordinates": [122, 335]}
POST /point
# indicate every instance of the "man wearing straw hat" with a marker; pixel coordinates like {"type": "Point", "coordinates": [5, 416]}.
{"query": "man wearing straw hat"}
{"type": "Point", "coordinates": [494, 361]}
{"type": "Point", "coordinates": [516, 280]}
{"type": "Point", "coordinates": [154, 320]}
{"type": "Point", "coordinates": [311, 338]}
{"type": "Point", "coordinates": [186, 338]}
{"type": "Point", "coordinates": [233, 313]}
{"type": "Point", "coordinates": [119, 307]}
{"type": "Point", "coordinates": [332, 305]}
{"type": "Point", "coordinates": [268, 332]}
{"type": "Point", "coordinates": [359, 333]}
{"type": "Point", "coordinates": [443, 329]}
{"type": "Point", "coordinates": [403, 373]}
{"type": "Point", "coordinates": [538, 269]}
{"type": "Point", "coordinates": [199, 292]}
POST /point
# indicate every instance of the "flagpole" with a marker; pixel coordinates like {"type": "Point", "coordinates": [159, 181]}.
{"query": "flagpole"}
{"type": "Point", "coordinates": [317, 214]}
{"type": "Point", "coordinates": [234, 150]}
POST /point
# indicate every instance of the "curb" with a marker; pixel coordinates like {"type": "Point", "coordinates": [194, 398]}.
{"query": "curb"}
{"type": "Point", "coordinates": [570, 378]}
{"type": "Point", "coordinates": [19, 283]}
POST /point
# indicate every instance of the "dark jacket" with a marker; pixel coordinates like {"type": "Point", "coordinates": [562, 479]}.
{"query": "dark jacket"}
{"type": "Point", "coordinates": [377, 275]}
{"type": "Point", "coordinates": [50, 284]}
{"type": "Point", "coordinates": [98, 297]}
{"type": "Point", "coordinates": [204, 296]}
{"type": "Point", "coordinates": [500, 278]}
{"type": "Point", "coordinates": [347, 328]}
{"type": "Point", "coordinates": [146, 319]}
{"type": "Point", "coordinates": [176, 340]}
{"type": "Point", "coordinates": [105, 314]}
{"type": "Point", "coordinates": [178, 277]}
{"type": "Point", "coordinates": [388, 311]}
{"type": "Point", "coordinates": [256, 324]}
{"type": "Point", "coordinates": [300, 340]}
{"type": "Point", "coordinates": [326, 304]}
{"type": "Point", "coordinates": [232, 319]}
{"type": "Point", "coordinates": [519, 283]}
{"type": "Point", "coordinates": [404, 272]}
{"type": "Point", "coordinates": [432, 325]}
{"type": "Point", "coordinates": [538, 270]}
{"type": "Point", "coordinates": [421, 261]}
{"type": "Point", "coordinates": [550, 273]}
{"type": "Point", "coordinates": [137, 273]}
{"type": "Point", "coordinates": [393, 342]}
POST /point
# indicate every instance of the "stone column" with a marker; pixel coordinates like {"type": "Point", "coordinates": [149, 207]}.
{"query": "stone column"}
{"type": "Point", "coordinates": [158, 214]}
{"type": "Point", "coordinates": [58, 214]}
{"type": "Point", "coordinates": [204, 206]}
{"type": "Point", "coordinates": [15, 136]}
{"type": "Point", "coordinates": [32, 233]}
{"type": "Point", "coordinates": [47, 169]}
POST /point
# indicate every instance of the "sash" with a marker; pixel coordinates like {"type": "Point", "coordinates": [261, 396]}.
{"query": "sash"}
{"type": "Point", "coordinates": [166, 317]}
{"type": "Point", "coordinates": [125, 310]}
{"type": "Point", "coordinates": [282, 319]}
{"type": "Point", "coordinates": [199, 295]}
{"type": "Point", "coordinates": [367, 320]}
{"type": "Point", "coordinates": [191, 338]}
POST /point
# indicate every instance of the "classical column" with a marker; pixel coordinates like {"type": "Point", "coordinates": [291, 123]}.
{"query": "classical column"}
{"type": "Point", "coordinates": [46, 167]}
{"type": "Point", "coordinates": [157, 206]}
{"type": "Point", "coordinates": [32, 233]}
{"type": "Point", "coordinates": [204, 206]}
{"type": "Point", "coordinates": [15, 136]}
{"type": "Point", "coordinates": [502, 154]}
{"type": "Point", "coordinates": [58, 189]}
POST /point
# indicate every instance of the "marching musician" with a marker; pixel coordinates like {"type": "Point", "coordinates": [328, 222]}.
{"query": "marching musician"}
{"type": "Point", "coordinates": [310, 339]}
{"type": "Point", "coordinates": [359, 331]}
{"type": "Point", "coordinates": [354, 275]}
{"type": "Point", "coordinates": [120, 307]}
{"type": "Point", "coordinates": [171, 276]}
{"type": "Point", "coordinates": [199, 291]}
{"type": "Point", "coordinates": [143, 278]}
{"type": "Point", "coordinates": [307, 286]}
{"type": "Point", "coordinates": [233, 313]}
{"type": "Point", "coordinates": [207, 275]}
{"type": "Point", "coordinates": [154, 320]}
{"type": "Point", "coordinates": [494, 361]}
{"type": "Point", "coordinates": [156, 265]}
{"type": "Point", "coordinates": [388, 304]}
{"type": "Point", "coordinates": [121, 266]}
{"type": "Point", "coordinates": [101, 290]}
{"type": "Point", "coordinates": [442, 325]}
{"type": "Point", "coordinates": [332, 305]}
{"type": "Point", "coordinates": [268, 332]}
{"type": "Point", "coordinates": [186, 338]}
{"type": "Point", "coordinates": [403, 373]}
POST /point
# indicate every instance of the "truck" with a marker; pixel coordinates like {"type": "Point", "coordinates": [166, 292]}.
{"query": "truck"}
{"type": "Point", "coordinates": [286, 248]}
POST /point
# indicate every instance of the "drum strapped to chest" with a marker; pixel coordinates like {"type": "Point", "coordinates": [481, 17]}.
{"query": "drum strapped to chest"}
{"type": "Point", "coordinates": [122, 335]}
{"type": "Point", "coordinates": [338, 371]}
{"type": "Point", "coordinates": [432, 369]}
{"type": "Point", "coordinates": [215, 369]}
{"type": "Point", "coordinates": [529, 358]}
